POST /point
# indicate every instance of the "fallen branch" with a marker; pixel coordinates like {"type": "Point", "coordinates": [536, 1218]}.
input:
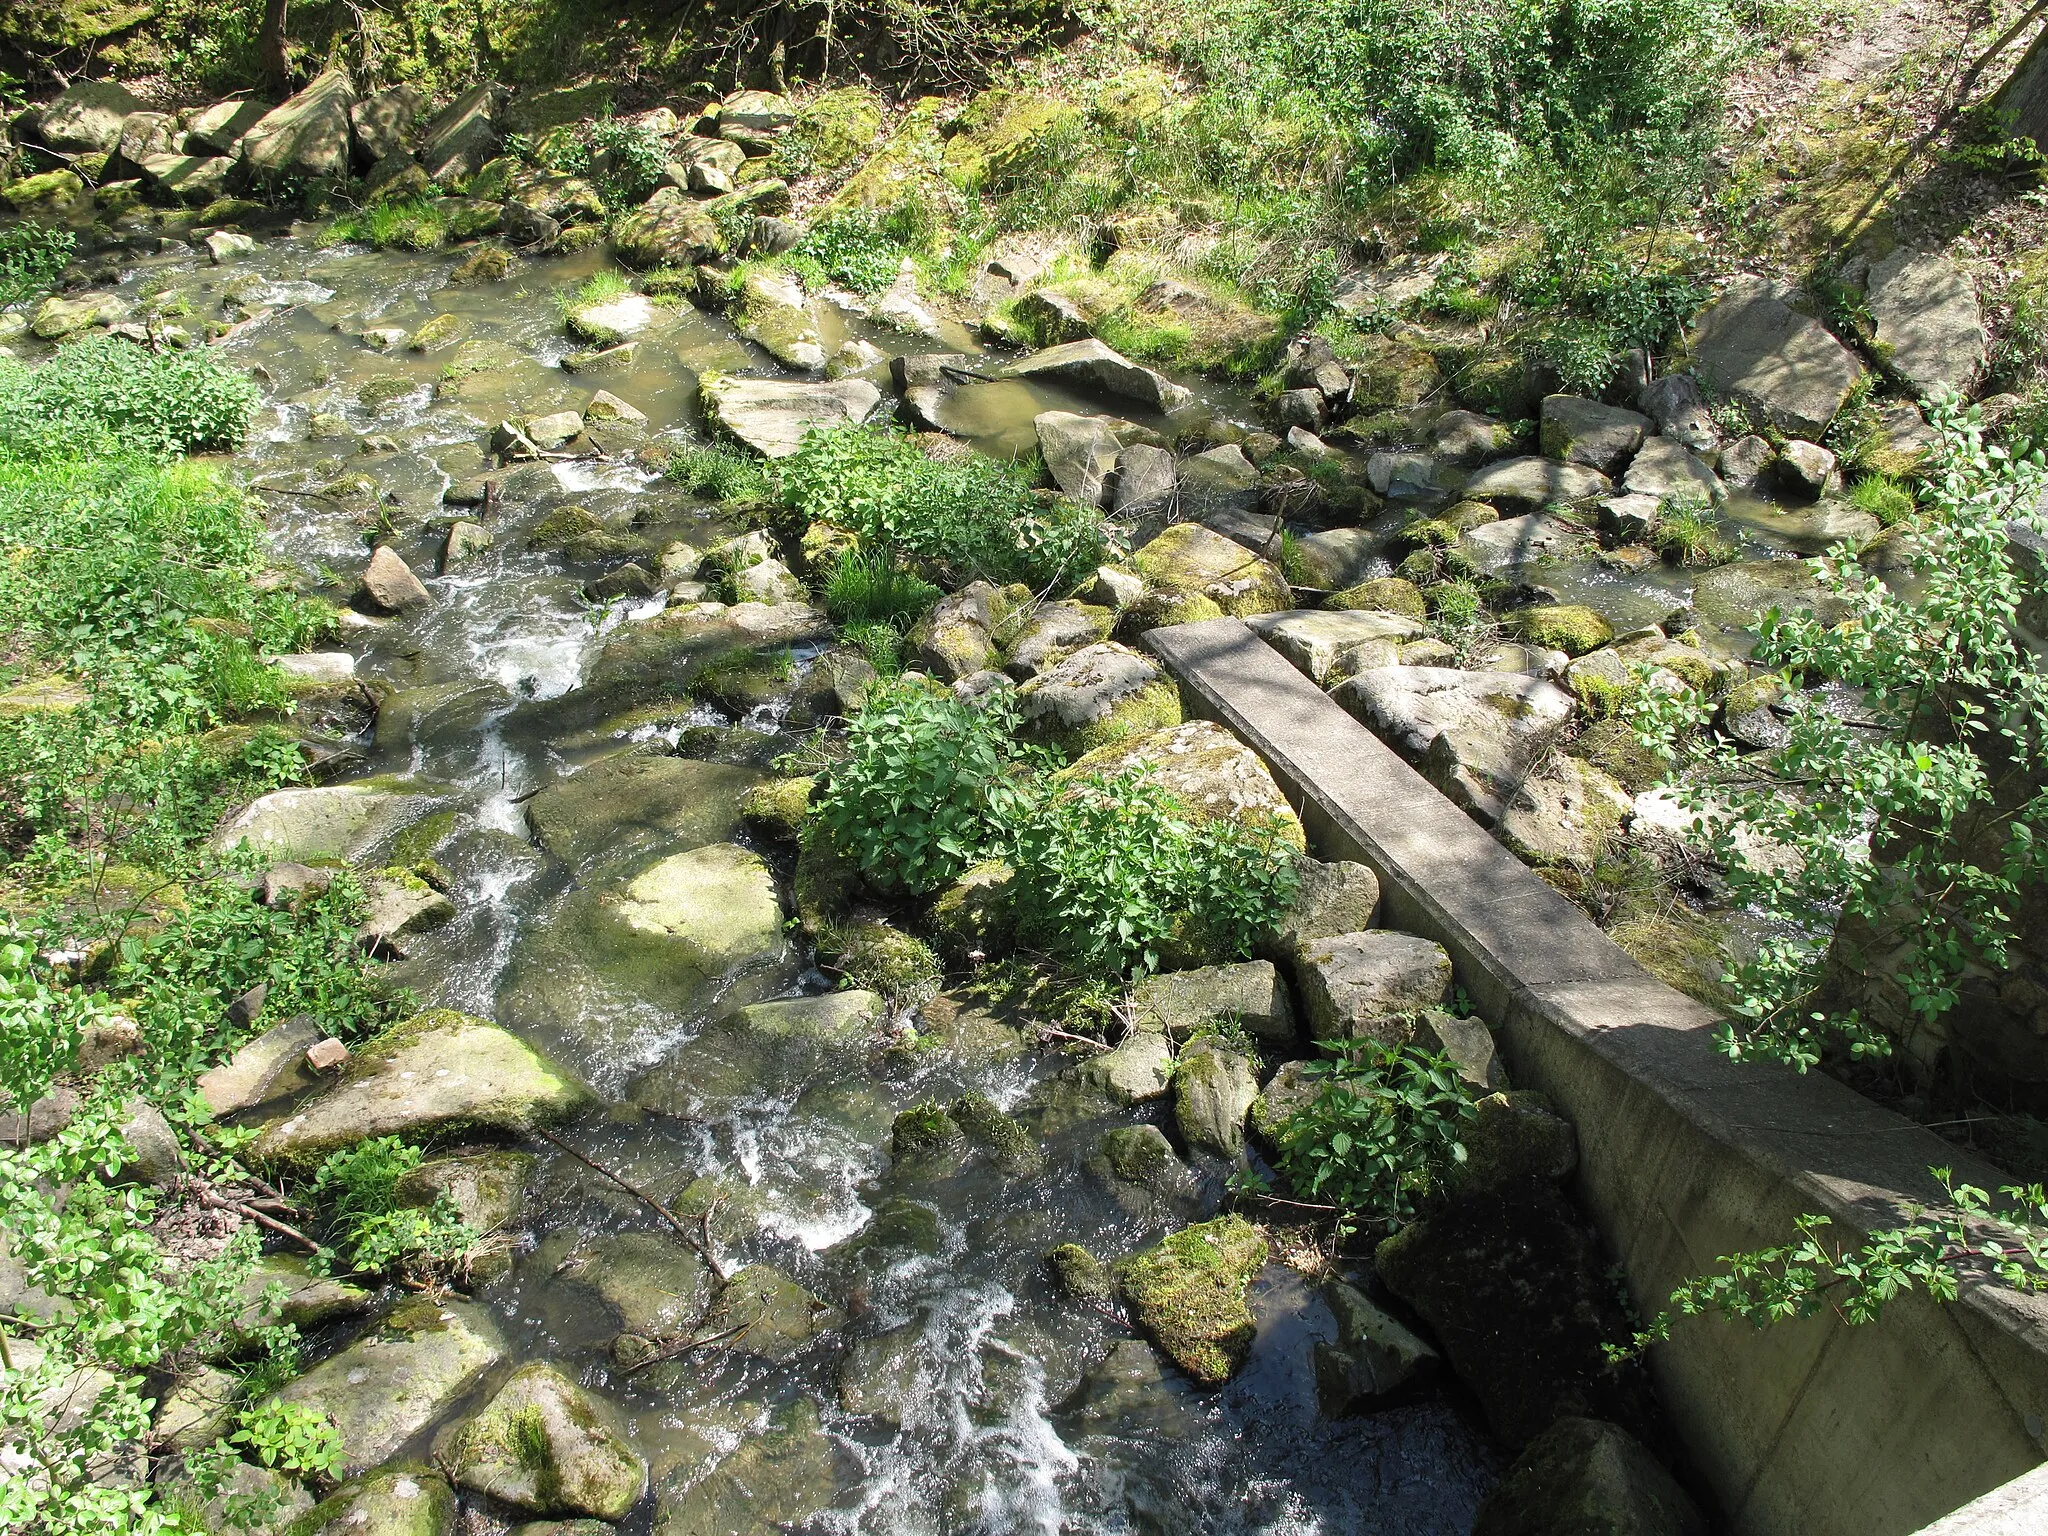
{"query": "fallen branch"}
{"type": "Point", "coordinates": [683, 1347]}
{"type": "Point", "coordinates": [702, 1249]}
{"type": "Point", "coordinates": [250, 1213]}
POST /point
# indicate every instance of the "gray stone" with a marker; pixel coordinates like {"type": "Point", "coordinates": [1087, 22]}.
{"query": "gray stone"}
{"type": "Point", "coordinates": [308, 135]}
{"type": "Point", "coordinates": [1516, 1138]}
{"type": "Point", "coordinates": [668, 230]}
{"type": "Point", "coordinates": [1054, 630]}
{"type": "Point", "coordinates": [405, 1500]}
{"type": "Point", "coordinates": [1079, 696]}
{"type": "Point", "coordinates": [1631, 518]}
{"type": "Point", "coordinates": [1565, 814]}
{"type": "Point", "coordinates": [437, 1072]}
{"type": "Point", "coordinates": [1468, 1043]}
{"type": "Point", "coordinates": [1137, 1070]}
{"type": "Point", "coordinates": [1752, 346]}
{"type": "Point", "coordinates": [1184, 1003]}
{"type": "Point", "coordinates": [462, 136]}
{"type": "Point", "coordinates": [465, 540]}
{"type": "Point", "coordinates": [1372, 1357]}
{"type": "Point", "coordinates": [1144, 1175]}
{"type": "Point", "coordinates": [486, 1189]}
{"type": "Point", "coordinates": [1819, 529]}
{"type": "Point", "coordinates": [62, 315]}
{"type": "Point", "coordinates": [1468, 439]}
{"type": "Point", "coordinates": [1213, 1089]}
{"type": "Point", "coordinates": [1675, 403]}
{"type": "Point", "coordinates": [1208, 770]}
{"type": "Point", "coordinates": [1190, 560]}
{"type": "Point", "coordinates": [397, 1379]}
{"type": "Point", "coordinates": [388, 584]}
{"type": "Point", "coordinates": [1218, 483]}
{"type": "Point", "coordinates": [781, 1478]}
{"type": "Point", "coordinates": [1930, 327]}
{"type": "Point", "coordinates": [1079, 452]}
{"type": "Point", "coordinates": [1332, 898]}
{"type": "Point", "coordinates": [1475, 735]}
{"type": "Point", "coordinates": [1744, 461]}
{"type": "Point", "coordinates": [1580, 431]}
{"type": "Point", "coordinates": [653, 1285]}
{"type": "Point", "coordinates": [1306, 408]}
{"type": "Point", "coordinates": [1091, 364]}
{"type": "Point", "coordinates": [397, 906]}
{"type": "Point", "coordinates": [879, 1378]}
{"type": "Point", "coordinates": [1666, 467]}
{"type": "Point", "coordinates": [330, 821]}
{"type": "Point", "coordinates": [268, 1067]}
{"type": "Point", "coordinates": [1403, 475]}
{"type": "Point", "coordinates": [1369, 985]}
{"type": "Point", "coordinates": [283, 1290]}
{"type": "Point", "coordinates": [144, 134]}
{"type": "Point", "coordinates": [1514, 542]}
{"type": "Point", "coordinates": [1807, 469]}
{"type": "Point", "coordinates": [219, 128]}
{"type": "Point", "coordinates": [1318, 641]}
{"type": "Point", "coordinates": [771, 416]}
{"type": "Point", "coordinates": [197, 1409]}
{"type": "Point", "coordinates": [780, 1047]}
{"type": "Point", "coordinates": [709, 912]}
{"type": "Point", "coordinates": [1146, 482]}
{"type": "Point", "coordinates": [775, 314]}
{"type": "Point", "coordinates": [87, 117]}
{"type": "Point", "coordinates": [769, 1315]}
{"type": "Point", "coordinates": [1580, 1476]}
{"type": "Point", "coordinates": [953, 640]}
{"type": "Point", "coordinates": [194, 180]}
{"type": "Point", "coordinates": [1338, 558]}
{"type": "Point", "coordinates": [383, 121]}
{"type": "Point", "coordinates": [546, 1445]}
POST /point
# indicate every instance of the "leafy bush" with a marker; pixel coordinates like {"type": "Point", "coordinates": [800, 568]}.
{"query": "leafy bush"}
{"type": "Point", "coordinates": [372, 1231]}
{"type": "Point", "coordinates": [873, 589]}
{"type": "Point", "coordinates": [927, 788]}
{"type": "Point", "coordinates": [1384, 1123]}
{"type": "Point", "coordinates": [966, 518]}
{"type": "Point", "coordinates": [39, 1024]}
{"type": "Point", "coordinates": [1114, 874]}
{"type": "Point", "coordinates": [104, 393]}
{"type": "Point", "coordinates": [32, 257]}
{"type": "Point", "coordinates": [634, 159]}
{"type": "Point", "coordinates": [854, 248]}
{"type": "Point", "coordinates": [295, 1437]}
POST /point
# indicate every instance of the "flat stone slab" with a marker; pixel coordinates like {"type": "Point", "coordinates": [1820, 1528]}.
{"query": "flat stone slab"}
{"type": "Point", "coordinates": [1930, 326]}
{"type": "Point", "coordinates": [1530, 483]}
{"type": "Point", "coordinates": [1752, 346]}
{"type": "Point", "coordinates": [1315, 640]}
{"type": "Point", "coordinates": [1093, 364]}
{"type": "Point", "coordinates": [1370, 985]}
{"type": "Point", "coordinates": [771, 416]}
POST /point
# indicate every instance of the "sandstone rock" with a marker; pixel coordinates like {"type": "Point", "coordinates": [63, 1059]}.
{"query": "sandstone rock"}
{"type": "Point", "coordinates": [192, 179]}
{"type": "Point", "coordinates": [1340, 558]}
{"type": "Point", "coordinates": [1330, 899]}
{"type": "Point", "coordinates": [64, 315]}
{"type": "Point", "coordinates": [308, 136]}
{"type": "Point", "coordinates": [1372, 1357]}
{"type": "Point", "coordinates": [711, 912]}
{"type": "Point", "coordinates": [330, 821]}
{"type": "Point", "coordinates": [1054, 630]}
{"type": "Point", "coordinates": [1188, 1295]}
{"type": "Point", "coordinates": [775, 313]}
{"type": "Point", "coordinates": [267, 1067]}
{"type": "Point", "coordinates": [771, 416]}
{"type": "Point", "coordinates": [668, 230]}
{"type": "Point", "coordinates": [1213, 1088]}
{"type": "Point", "coordinates": [1579, 431]}
{"type": "Point", "coordinates": [398, 905]}
{"type": "Point", "coordinates": [653, 1285]}
{"type": "Point", "coordinates": [1098, 696]}
{"type": "Point", "coordinates": [1137, 1070]}
{"type": "Point", "coordinates": [1206, 768]}
{"type": "Point", "coordinates": [1666, 467]}
{"type": "Point", "coordinates": [383, 121]}
{"type": "Point", "coordinates": [1565, 815]}
{"type": "Point", "coordinates": [1675, 403]}
{"type": "Point", "coordinates": [1146, 482]}
{"type": "Point", "coordinates": [437, 1072]}
{"type": "Point", "coordinates": [462, 136]}
{"type": "Point", "coordinates": [1191, 560]}
{"type": "Point", "coordinates": [1468, 439]}
{"type": "Point", "coordinates": [1079, 452]}
{"type": "Point", "coordinates": [1317, 642]}
{"type": "Point", "coordinates": [1807, 469]}
{"type": "Point", "coordinates": [487, 1189]}
{"type": "Point", "coordinates": [1475, 735]}
{"type": "Point", "coordinates": [546, 1445]}
{"type": "Point", "coordinates": [86, 117]}
{"type": "Point", "coordinates": [1930, 327]}
{"type": "Point", "coordinates": [388, 584]}
{"type": "Point", "coordinates": [396, 1380]}
{"type": "Point", "coordinates": [1185, 1003]}
{"type": "Point", "coordinates": [1369, 985]}
{"type": "Point", "coordinates": [1092, 364]}
{"type": "Point", "coordinates": [1466, 1043]}
{"type": "Point", "coordinates": [1750, 344]}
{"type": "Point", "coordinates": [1581, 1475]}
{"type": "Point", "coordinates": [1744, 461]}
{"type": "Point", "coordinates": [1530, 484]}
{"type": "Point", "coordinates": [1509, 545]}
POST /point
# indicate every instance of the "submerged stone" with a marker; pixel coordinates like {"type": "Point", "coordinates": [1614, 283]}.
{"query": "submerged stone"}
{"type": "Point", "coordinates": [544, 1444]}
{"type": "Point", "coordinates": [407, 1500]}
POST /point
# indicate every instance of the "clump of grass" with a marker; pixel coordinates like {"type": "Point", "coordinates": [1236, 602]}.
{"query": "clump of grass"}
{"type": "Point", "coordinates": [1687, 533]}
{"type": "Point", "coordinates": [1883, 498]}
{"type": "Point", "coordinates": [873, 589]}
{"type": "Point", "coordinates": [881, 644]}
{"type": "Point", "coordinates": [716, 470]}
{"type": "Point", "coordinates": [413, 224]}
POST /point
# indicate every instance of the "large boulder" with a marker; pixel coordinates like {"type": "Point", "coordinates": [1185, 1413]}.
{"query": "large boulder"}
{"type": "Point", "coordinates": [546, 1445]}
{"type": "Point", "coordinates": [1211, 772]}
{"type": "Point", "coordinates": [438, 1073]}
{"type": "Point", "coordinates": [1753, 346]}
{"type": "Point", "coordinates": [405, 1500]}
{"type": "Point", "coordinates": [1582, 1477]}
{"type": "Point", "coordinates": [1666, 467]}
{"type": "Point", "coordinates": [668, 230]}
{"type": "Point", "coordinates": [1475, 735]}
{"type": "Point", "coordinates": [1053, 630]}
{"type": "Point", "coordinates": [1186, 1003]}
{"type": "Point", "coordinates": [1519, 1295]}
{"type": "Point", "coordinates": [1530, 484]}
{"type": "Point", "coordinates": [1370, 985]}
{"type": "Point", "coordinates": [86, 118]}
{"type": "Point", "coordinates": [1146, 480]}
{"type": "Point", "coordinates": [652, 1286]}
{"type": "Point", "coordinates": [1512, 544]}
{"type": "Point", "coordinates": [383, 121]}
{"type": "Point", "coordinates": [1318, 641]}
{"type": "Point", "coordinates": [307, 136]}
{"type": "Point", "coordinates": [218, 129]}
{"type": "Point", "coordinates": [777, 1047]}
{"type": "Point", "coordinates": [462, 136]}
{"type": "Point", "coordinates": [1079, 452]}
{"type": "Point", "coordinates": [709, 912]}
{"type": "Point", "coordinates": [1580, 431]}
{"type": "Point", "coordinates": [636, 803]}
{"type": "Point", "coordinates": [1098, 696]}
{"type": "Point", "coordinates": [329, 821]}
{"type": "Point", "coordinates": [1930, 327]}
{"type": "Point", "coordinates": [771, 416]}
{"type": "Point", "coordinates": [400, 1377]}
{"type": "Point", "coordinates": [781, 1477]}
{"type": "Point", "coordinates": [1188, 1295]}
{"type": "Point", "coordinates": [1094, 365]}
{"type": "Point", "coordinates": [1189, 560]}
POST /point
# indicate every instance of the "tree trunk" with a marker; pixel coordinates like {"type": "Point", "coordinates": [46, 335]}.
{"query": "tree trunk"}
{"type": "Point", "coordinates": [272, 57]}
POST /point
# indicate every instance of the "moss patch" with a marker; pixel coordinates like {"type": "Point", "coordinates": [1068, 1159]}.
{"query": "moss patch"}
{"type": "Point", "coordinates": [1188, 1295]}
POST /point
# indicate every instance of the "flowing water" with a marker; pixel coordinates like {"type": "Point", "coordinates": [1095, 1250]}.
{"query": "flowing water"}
{"type": "Point", "coordinates": [951, 1387]}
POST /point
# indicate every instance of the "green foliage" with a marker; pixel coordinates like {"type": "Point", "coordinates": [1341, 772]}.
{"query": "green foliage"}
{"type": "Point", "coordinates": [1943, 786]}
{"type": "Point", "coordinates": [1933, 1252]}
{"type": "Point", "coordinates": [717, 470]}
{"type": "Point", "coordinates": [409, 224]}
{"type": "Point", "coordinates": [1883, 498]}
{"type": "Point", "coordinates": [104, 393]}
{"type": "Point", "coordinates": [873, 589]}
{"type": "Point", "coordinates": [1383, 1125]}
{"type": "Point", "coordinates": [294, 1437]}
{"type": "Point", "coordinates": [927, 788]}
{"type": "Point", "coordinates": [966, 518]}
{"type": "Point", "coordinates": [1114, 874]}
{"type": "Point", "coordinates": [855, 248]}
{"type": "Point", "coordinates": [1687, 533]}
{"type": "Point", "coordinates": [1605, 301]}
{"type": "Point", "coordinates": [633, 158]}
{"type": "Point", "coordinates": [39, 1024]}
{"type": "Point", "coordinates": [32, 257]}
{"type": "Point", "coordinates": [372, 1231]}
{"type": "Point", "coordinates": [881, 644]}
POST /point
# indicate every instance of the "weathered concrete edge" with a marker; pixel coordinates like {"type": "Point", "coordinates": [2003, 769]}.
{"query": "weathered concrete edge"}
{"type": "Point", "coordinates": [2020, 1508]}
{"type": "Point", "coordinates": [1809, 1427]}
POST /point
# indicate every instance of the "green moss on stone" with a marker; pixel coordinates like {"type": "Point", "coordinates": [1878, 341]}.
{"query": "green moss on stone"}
{"type": "Point", "coordinates": [1383, 594]}
{"type": "Point", "coordinates": [778, 807]}
{"type": "Point", "coordinates": [1568, 627]}
{"type": "Point", "coordinates": [1188, 1294]}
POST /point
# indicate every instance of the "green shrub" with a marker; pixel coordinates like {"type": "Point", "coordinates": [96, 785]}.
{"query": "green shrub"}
{"type": "Point", "coordinates": [967, 518]}
{"type": "Point", "coordinates": [881, 644]}
{"type": "Point", "coordinates": [1375, 1139]}
{"type": "Point", "coordinates": [635, 157]}
{"type": "Point", "coordinates": [927, 788]}
{"type": "Point", "coordinates": [854, 248]}
{"type": "Point", "coordinates": [372, 1231]}
{"type": "Point", "coordinates": [869, 589]}
{"type": "Point", "coordinates": [1114, 874]}
{"type": "Point", "coordinates": [105, 393]}
{"type": "Point", "coordinates": [32, 257]}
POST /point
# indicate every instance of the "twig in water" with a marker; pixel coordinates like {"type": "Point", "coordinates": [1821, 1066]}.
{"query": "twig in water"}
{"type": "Point", "coordinates": [687, 1346]}
{"type": "Point", "coordinates": [702, 1249]}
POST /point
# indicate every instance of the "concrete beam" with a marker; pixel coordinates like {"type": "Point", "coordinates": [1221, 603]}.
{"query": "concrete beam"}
{"type": "Point", "coordinates": [1810, 1428]}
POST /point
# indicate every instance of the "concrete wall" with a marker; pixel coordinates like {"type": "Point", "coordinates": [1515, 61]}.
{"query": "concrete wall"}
{"type": "Point", "coordinates": [1806, 1429]}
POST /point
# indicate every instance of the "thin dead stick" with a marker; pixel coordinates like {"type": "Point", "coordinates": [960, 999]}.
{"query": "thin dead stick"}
{"type": "Point", "coordinates": [271, 1223]}
{"type": "Point", "coordinates": [703, 1250]}
{"type": "Point", "coordinates": [1048, 1031]}
{"type": "Point", "coordinates": [687, 1347]}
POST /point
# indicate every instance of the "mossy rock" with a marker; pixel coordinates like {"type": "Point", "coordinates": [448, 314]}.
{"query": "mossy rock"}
{"type": "Point", "coordinates": [836, 129]}
{"type": "Point", "coordinates": [1612, 745]}
{"type": "Point", "coordinates": [999, 134]}
{"type": "Point", "coordinates": [778, 808]}
{"type": "Point", "coordinates": [546, 1445]}
{"type": "Point", "coordinates": [1188, 1294]}
{"type": "Point", "coordinates": [972, 916]}
{"type": "Point", "coordinates": [827, 880]}
{"type": "Point", "coordinates": [1190, 558]}
{"type": "Point", "coordinates": [1568, 627]}
{"type": "Point", "coordinates": [1204, 766]}
{"type": "Point", "coordinates": [441, 331]}
{"type": "Point", "coordinates": [1012, 1148]}
{"type": "Point", "coordinates": [1391, 373]}
{"type": "Point", "coordinates": [1382, 594]}
{"type": "Point", "coordinates": [404, 1500]}
{"type": "Point", "coordinates": [578, 534]}
{"type": "Point", "coordinates": [385, 389]}
{"type": "Point", "coordinates": [874, 955]}
{"type": "Point", "coordinates": [906, 167]}
{"type": "Point", "coordinates": [925, 1132]}
{"type": "Point", "coordinates": [1082, 1275]}
{"type": "Point", "coordinates": [1162, 610]}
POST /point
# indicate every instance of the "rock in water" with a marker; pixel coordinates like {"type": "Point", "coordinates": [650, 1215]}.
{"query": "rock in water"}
{"type": "Point", "coordinates": [1188, 1295]}
{"type": "Point", "coordinates": [712, 910]}
{"type": "Point", "coordinates": [1373, 1355]}
{"type": "Point", "coordinates": [405, 1500]}
{"type": "Point", "coordinates": [307, 136]}
{"type": "Point", "coordinates": [633, 803]}
{"type": "Point", "coordinates": [1092, 364]}
{"type": "Point", "coordinates": [389, 585]}
{"type": "Point", "coordinates": [436, 1072]}
{"type": "Point", "coordinates": [397, 1379]}
{"type": "Point", "coordinates": [1213, 1088]}
{"type": "Point", "coordinates": [328, 821]}
{"type": "Point", "coordinates": [1079, 453]}
{"type": "Point", "coordinates": [546, 1445]}
{"type": "Point", "coordinates": [1582, 1476]}
{"type": "Point", "coordinates": [771, 416]}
